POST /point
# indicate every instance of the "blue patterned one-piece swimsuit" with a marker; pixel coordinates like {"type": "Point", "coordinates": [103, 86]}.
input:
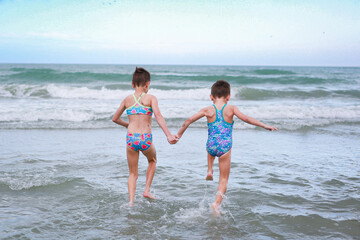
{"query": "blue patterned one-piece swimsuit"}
{"type": "Point", "coordinates": [219, 135]}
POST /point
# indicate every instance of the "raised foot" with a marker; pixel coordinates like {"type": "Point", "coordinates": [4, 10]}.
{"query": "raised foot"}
{"type": "Point", "coordinates": [216, 209]}
{"type": "Point", "coordinates": [209, 176]}
{"type": "Point", "coordinates": [148, 195]}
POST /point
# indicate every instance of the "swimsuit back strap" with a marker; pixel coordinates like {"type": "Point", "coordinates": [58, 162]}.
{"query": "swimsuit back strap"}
{"type": "Point", "coordinates": [141, 95]}
{"type": "Point", "coordinates": [223, 107]}
{"type": "Point", "coordinates": [222, 113]}
{"type": "Point", "coordinates": [135, 98]}
{"type": "Point", "coordinates": [138, 100]}
{"type": "Point", "coordinates": [215, 108]}
{"type": "Point", "coordinates": [216, 113]}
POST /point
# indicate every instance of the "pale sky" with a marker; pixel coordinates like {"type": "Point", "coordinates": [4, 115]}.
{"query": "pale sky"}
{"type": "Point", "coordinates": [249, 32]}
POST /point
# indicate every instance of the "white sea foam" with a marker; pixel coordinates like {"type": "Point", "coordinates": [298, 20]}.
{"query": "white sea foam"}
{"type": "Point", "coordinates": [45, 113]}
{"type": "Point", "coordinates": [303, 112]}
{"type": "Point", "coordinates": [73, 92]}
{"type": "Point", "coordinates": [27, 180]}
{"type": "Point", "coordinates": [85, 93]}
{"type": "Point", "coordinates": [195, 93]}
{"type": "Point", "coordinates": [193, 214]}
{"type": "Point", "coordinates": [49, 115]}
{"type": "Point", "coordinates": [67, 106]}
{"type": "Point", "coordinates": [5, 93]}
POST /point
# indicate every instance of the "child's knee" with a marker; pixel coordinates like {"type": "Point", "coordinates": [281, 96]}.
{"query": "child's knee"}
{"type": "Point", "coordinates": [134, 175]}
{"type": "Point", "coordinates": [152, 159]}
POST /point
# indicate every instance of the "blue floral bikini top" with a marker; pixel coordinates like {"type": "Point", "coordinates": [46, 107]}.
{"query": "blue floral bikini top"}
{"type": "Point", "coordinates": [138, 108]}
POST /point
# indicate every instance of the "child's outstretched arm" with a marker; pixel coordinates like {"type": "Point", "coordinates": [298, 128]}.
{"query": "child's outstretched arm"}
{"type": "Point", "coordinates": [252, 121]}
{"type": "Point", "coordinates": [116, 118]}
{"type": "Point", "coordinates": [190, 120]}
{"type": "Point", "coordinates": [172, 139]}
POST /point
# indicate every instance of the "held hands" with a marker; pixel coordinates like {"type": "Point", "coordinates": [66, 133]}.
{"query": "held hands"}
{"type": "Point", "coordinates": [172, 139]}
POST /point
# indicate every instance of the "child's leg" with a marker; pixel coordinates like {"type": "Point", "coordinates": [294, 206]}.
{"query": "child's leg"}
{"type": "Point", "coordinates": [150, 154]}
{"type": "Point", "coordinates": [133, 159]}
{"type": "Point", "coordinates": [224, 167]}
{"type": "Point", "coordinates": [210, 170]}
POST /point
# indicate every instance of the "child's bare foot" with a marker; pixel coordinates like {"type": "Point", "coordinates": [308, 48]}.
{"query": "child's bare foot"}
{"type": "Point", "coordinates": [209, 176]}
{"type": "Point", "coordinates": [131, 203]}
{"type": "Point", "coordinates": [216, 209]}
{"type": "Point", "coordinates": [148, 195]}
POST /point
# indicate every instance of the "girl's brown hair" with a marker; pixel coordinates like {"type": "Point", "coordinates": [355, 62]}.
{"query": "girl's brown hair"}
{"type": "Point", "coordinates": [140, 77]}
{"type": "Point", "coordinates": [220, 89]}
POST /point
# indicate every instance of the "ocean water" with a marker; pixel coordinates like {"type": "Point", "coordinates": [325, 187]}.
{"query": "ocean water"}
{"type": "Point", "coordinates": [63, 169]}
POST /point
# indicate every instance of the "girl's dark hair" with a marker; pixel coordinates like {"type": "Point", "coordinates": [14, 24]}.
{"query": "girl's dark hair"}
{"type": "Point", "coordinates": [140, 77]}
{"type": "Point", "coordinates": [220, 89]}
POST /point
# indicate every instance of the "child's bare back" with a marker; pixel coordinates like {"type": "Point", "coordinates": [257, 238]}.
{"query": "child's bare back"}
{"type": "Point", "coordinates": [140, 107]}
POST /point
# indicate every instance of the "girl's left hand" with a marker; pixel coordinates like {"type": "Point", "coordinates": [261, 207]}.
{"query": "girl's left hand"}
{"type": "Point", "coordinates": [270, 128]}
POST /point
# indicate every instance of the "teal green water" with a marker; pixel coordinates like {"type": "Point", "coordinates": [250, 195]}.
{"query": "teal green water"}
{"type": "Point", "coordinates": [85, 96]}
{"type": "Point", "coordinates": [63, 170]}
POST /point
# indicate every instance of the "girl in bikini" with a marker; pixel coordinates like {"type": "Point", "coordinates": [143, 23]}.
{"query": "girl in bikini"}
{"type": "Point", "coordinates": [139, 107]}
{"type": "Point", "coordinates": [220, 123]}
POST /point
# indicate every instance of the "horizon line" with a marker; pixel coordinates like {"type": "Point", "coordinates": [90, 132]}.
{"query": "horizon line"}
{"type": "Point", "coordinates": [159, 64]}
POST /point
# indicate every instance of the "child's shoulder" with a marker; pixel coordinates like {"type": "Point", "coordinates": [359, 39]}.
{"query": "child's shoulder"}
{"type": "Point", "coordinates": [149, 95]}
{"type": "Point", "coordinates": [129, 97]}
{"type": "Point", "coordinates": [231, 107]}
{"type": "Point", "coordinates": [128, 100]}
{"type": "Point", "coordinates": [208, 111]}
{"type": "Point", "coordinates": [209, 108]}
